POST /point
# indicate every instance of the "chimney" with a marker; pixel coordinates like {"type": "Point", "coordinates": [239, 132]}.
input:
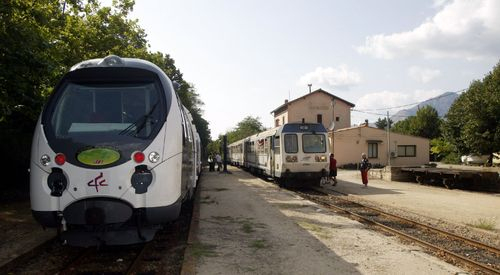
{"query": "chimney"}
{"type": "Point", "coordinates": [309, 87]}
{"type": "Point", "coordinates": [286, 101]}
{"type": "Point", "coordinates": [366, 122]}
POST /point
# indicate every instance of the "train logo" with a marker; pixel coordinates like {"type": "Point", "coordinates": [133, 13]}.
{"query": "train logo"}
{"type": "Point", "coordinates": [96, 182]}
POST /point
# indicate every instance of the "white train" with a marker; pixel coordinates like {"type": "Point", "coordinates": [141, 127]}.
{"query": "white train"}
{"type": "Point", "coordinates": [113, 154]}
{"type": "Point", "coordinates": [291, 153]}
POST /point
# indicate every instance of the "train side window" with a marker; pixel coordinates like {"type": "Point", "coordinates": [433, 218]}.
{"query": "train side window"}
{"type": "Point", "coordinates": [291, 143]}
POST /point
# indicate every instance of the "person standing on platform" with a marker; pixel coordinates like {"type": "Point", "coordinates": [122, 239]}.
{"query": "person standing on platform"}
{"type": "Point", "coordinates": [333, 169]}
{"type": "Point", "coordinates": [364, 166]}
{"type": "Point", "coordinates": [218, 159]}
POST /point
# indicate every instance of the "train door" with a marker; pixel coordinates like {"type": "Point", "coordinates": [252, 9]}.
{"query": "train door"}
{"type": "Point", "coordinates": [270, 155]}
{"type": "Point", "coordinates": [276, 156]}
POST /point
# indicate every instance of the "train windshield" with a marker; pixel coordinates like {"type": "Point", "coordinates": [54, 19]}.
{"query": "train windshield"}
{"type": "Point", "coordinates": [313, 143]}
{"type": "Point", "coordinates": [126, 109]}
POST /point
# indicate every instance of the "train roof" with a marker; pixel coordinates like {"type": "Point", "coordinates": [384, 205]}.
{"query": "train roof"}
{"type": "Point", "coordinates": [287, 128]}
{"type": "Point", "coordinates": [116, 61]}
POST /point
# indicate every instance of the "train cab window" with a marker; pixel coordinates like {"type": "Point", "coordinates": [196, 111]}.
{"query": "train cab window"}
{"type": "Point", "coordinates": [313, 143]}
{"type": "Point", "coordinates": [291, 143]}
{"type": "Point", "coordinates": [128, 109]}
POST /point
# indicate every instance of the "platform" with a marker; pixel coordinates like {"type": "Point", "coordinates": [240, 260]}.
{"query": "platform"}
{"type": "Point", "coordinates": [246, 225]}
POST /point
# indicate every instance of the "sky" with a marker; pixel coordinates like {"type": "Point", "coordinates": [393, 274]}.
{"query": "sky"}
{"type": "Point", "coordinates": [246, 57]}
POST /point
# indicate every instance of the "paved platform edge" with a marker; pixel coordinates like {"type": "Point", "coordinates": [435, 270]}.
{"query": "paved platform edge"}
{"type": "Point", "coordinates": [189, 261]}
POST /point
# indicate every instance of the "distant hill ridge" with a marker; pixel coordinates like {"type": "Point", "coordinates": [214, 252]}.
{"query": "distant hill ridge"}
{"type": "Point", "coordinates": [441, 103]}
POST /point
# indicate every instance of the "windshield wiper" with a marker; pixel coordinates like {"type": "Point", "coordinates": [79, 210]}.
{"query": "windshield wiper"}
{"type": "Point", "coordinates": [139, 124]}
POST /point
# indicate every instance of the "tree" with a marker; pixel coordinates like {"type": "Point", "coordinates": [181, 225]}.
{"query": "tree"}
{"type": "Point", "coordinates": [41, 40]}
{"type": "Point", "coordinates": [245, 128]}
{"type": "Point", "coordinates": [472, 124]}
{"type": "Point", "coordinates": [426, 124]}
{"type": "Point", "coordinates": [382, 123]}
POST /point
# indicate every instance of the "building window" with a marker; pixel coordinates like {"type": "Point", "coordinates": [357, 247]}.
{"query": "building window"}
{"type": "Point", "coordinates": [277, 122]}
{"type": "Point", "coordinates": [282, 120]}
{"type": "Point", "coordinates": [407, 150]}
{"type": "Point", "coordinates": [337, 118]}
{"type": "Point", "coordinates": [372, 150]}
{"type": "Point", "coordinates": [319, 118]}
{"type": "Point", "coordinates": [303, 120]}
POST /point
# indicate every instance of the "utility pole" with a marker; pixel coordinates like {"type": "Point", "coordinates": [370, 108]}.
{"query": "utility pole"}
{"type": "Point", "coordinates": [388, 140]}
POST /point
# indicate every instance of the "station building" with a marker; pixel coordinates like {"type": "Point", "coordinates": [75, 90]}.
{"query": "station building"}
{"type": "Point", "coordinates": [349, 142]}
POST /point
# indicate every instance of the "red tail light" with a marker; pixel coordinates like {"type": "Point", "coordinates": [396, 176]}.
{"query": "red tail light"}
{"type": "Point", "coordinates": [139, 157]}
{"type": "Point", "coordinates": [60, 159]}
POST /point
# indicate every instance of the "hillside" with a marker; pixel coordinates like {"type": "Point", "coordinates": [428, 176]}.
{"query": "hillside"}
{"type": "Point", "coordinates": [441, 103]}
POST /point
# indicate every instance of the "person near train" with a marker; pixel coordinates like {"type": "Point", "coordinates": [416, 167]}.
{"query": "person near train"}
{"type": "Point", "coordinates": [218, 159]}
{"type": "Point", "coordinates": [333, 169]}
{"type": "Point", "coordinates": [364, 166]}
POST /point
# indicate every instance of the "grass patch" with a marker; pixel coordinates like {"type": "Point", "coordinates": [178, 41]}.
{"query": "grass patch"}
{"type": "Point", "coordinates": [200, 250]}
{"type": "Point", "coordinates": [259, 244]}
{"type": "Point", "coordinates": [486, 224]}
{"type": "Point", "coordinates": [314, 228]}
{"type": "Point", "coordinates": [247, 228]}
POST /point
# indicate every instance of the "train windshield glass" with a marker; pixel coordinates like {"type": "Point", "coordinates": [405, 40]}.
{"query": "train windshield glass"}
{"type": "Point", "coordinates": [126, 109]}
{"type": "Point", "coordinates": [314, 143]}
{"type": "Point", "coordinates": [291, 144]}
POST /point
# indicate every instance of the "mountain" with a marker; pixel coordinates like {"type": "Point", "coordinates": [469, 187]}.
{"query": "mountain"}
{"type": "Point", "coordinates": [441, 103]}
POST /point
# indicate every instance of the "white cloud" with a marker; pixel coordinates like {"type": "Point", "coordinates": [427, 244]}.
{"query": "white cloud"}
{"type": "Point", "coordinates": [423, 75]}
{"type": "Point", "coordinates": [461, 29]}
{"type": "Point", "coordinates": [340, 77]}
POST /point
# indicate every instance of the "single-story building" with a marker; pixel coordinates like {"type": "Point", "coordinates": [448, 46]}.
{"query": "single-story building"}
{"type": "Point", "coordinates": [350, 143]}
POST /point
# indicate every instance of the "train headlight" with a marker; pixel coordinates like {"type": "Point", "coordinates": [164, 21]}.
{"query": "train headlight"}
{"type": "Point", "coordinates": [154, 157]}
{"type": "Point", "coordinates": [291, 158]}
{"type": "Point", "coordinates": [45, 160]}
{"type": "Point", "coordinates": [320, 158]}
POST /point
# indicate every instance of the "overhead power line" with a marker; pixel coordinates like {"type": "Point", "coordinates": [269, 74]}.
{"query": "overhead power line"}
{"type": "Point", "coordinates": [406, 105]}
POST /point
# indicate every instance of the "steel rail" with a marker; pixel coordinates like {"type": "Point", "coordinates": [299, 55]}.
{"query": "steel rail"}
{"type": "Point", "coordinates": [132, 269]}
{"type": "Point", "coordinates": [402, 234]}
{"type": "Point", "coordinates": [467, 240]}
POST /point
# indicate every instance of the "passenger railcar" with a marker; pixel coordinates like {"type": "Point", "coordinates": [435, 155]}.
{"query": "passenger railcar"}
{"type": "Point", "coordinates": [292, 153]}
{"type": "Point", "coordinates": [111, 158]}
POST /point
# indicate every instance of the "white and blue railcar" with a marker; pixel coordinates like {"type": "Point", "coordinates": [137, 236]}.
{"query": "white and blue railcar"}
{"type": "Point", "coordinates": [294, 153]}
{"type": "Point", "coordinates": [111, 157]}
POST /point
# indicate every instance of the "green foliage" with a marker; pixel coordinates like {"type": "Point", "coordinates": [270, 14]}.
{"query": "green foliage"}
{"type": "Point", "coordinates": [245, 128]}
{"type": "Point", "coordinates": [382, 123]}
{"type": "Point", "coordinates": [441, 148]}
{"type": "Point", "coordinates": [426, 124]}
{"type": "Point", "coordinates": [41, 40]}
{"type": "Point", "coordinates": [473, 121]}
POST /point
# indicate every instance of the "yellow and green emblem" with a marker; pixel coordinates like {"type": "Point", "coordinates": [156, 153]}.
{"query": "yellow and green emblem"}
{"type": "Point", "coordinates": [98, 156]}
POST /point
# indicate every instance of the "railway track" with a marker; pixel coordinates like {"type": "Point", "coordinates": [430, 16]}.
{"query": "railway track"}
{"type": "Point", "coordinates": [482, 258]}
{"type": "Point", "coordinates": [163, 255]}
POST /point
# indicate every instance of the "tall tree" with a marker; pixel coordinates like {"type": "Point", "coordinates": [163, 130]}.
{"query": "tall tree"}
{"type": "Point", "coordinates": [382, 123]}
{"type": "Point", "coordinates": [245, 128]}
{"type": "Point", "coordinates": [473, 121]}
{"type": "Point", "coordinates": [426, 123]}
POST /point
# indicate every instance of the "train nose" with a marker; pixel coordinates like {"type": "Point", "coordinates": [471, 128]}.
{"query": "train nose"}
{"type": "Point", "coordinates": [95, 216]}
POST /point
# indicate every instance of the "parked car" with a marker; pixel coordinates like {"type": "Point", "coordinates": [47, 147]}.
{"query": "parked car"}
{"type": "Point", "coordinates": [474, 159]}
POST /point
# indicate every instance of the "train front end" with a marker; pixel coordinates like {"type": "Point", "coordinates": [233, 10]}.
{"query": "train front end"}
{"type": "Point", "coordinates": [305, 153]}
{"type": "Point", "coordinates": [105, 163]}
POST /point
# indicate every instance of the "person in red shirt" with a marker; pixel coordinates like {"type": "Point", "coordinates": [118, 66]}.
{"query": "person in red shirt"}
{"type": "Point", "coordinates": [333, 169]}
